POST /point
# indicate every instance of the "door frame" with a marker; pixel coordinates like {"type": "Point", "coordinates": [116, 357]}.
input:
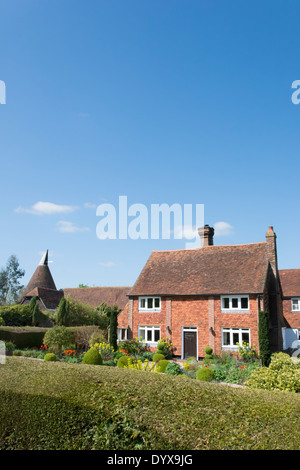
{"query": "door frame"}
{"type": "Point", "coordinates": [191, 329]}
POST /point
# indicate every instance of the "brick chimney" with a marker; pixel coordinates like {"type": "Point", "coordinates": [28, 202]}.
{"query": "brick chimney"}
{"type": "Point", "coordinates": [272, 250]}
{"type": "Point", "coordinates": [206, 234]}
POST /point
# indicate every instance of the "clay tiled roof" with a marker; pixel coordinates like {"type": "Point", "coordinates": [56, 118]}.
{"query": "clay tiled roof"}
{"type": "Point", "coordinates": [96, 295]}
{"type": "Point", "coordinates": [42, 277]}
{"type": "Point", "coordinates": [231, 269]}
{"type": "Point", "coordinates": [290, 282]}
{"type": "Point", "coordinates": [49, 298]}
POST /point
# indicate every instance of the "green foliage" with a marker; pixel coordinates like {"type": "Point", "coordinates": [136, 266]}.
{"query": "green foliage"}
{"type": "Point", "coordinates": [58, 338]}
{"type": "Point", "coordinates": [16, 315]}
{"type": "Point", "coordinates": [10, 287]}
{"type": "Point", "coordinates": [162, 365]}
{"type": "Point", "coordinates": [157, 357]}
{"type": "Point", "coordinates": [134, 347]}
{"type": "Point", "coordinates": [208, 350]}
{"type": "Point", "coordinates": [82, 314]}
{"type": "Point", "coordinates": [112, 313]}
{"type": "Point", "coordinates": [23, 337]}
{"type": "Point", "coordinates": [93, 357]}
{"type": "Point", "coordinates": [173, 369]}
{"type": "Point", "coordinates": [263, 338]}
{"type": "Point", "coordinates": [205, 374]}
{"type": "Point", "coordinates": [165, 347]}
{"type": "Point", "coordinates": [50, 357]}
{"type": "Point", "coordinates": [9, 346]}
{"type": "Point", "coordinates": [63, 313]}
{"type": "Point", "coordinates": [123, 362]}
{"type": "Point", "coordinates": [247, 353]}
{"type": "Point", "coordinates": [100, 408]}
{"type": "Point", "coordinates": [282, 374]}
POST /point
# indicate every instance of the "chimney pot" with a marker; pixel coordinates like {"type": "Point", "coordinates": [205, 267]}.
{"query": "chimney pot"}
{"type": "Point", "coordinates": [206, 234]}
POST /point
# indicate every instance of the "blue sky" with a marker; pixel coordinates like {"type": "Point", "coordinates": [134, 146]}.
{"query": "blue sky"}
{"type": "Point", "coordinates": [166, 101]}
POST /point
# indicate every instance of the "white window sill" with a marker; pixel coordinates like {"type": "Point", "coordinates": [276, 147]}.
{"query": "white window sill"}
{"type": "Point", "coordinates": [234, 311]}
{"type": "Point", "coordinates": [152, 310]}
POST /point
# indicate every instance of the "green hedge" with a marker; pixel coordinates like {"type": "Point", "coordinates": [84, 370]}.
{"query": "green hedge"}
{"type": "Point", "coordinates": [23, 337]}
{"type": "Point", "coordinates": [59, 406]}
{"type": "Point", "coordinates": [21, 315]}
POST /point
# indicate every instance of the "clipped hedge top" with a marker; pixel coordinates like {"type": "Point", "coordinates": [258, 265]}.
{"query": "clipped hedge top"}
{"type": "Point", "coordinates": [175, 412]}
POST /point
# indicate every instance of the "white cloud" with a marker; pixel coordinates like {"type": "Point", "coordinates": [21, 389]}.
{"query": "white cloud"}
{"type": "Point", "coordinates": [69, 227]}
{"type": "Point", "coordinates": [108, 264]}
{"type": "Point", "coordinates": [223, 229]}
{"type": "Point", "coordinates": [46, 208]}
{"type": "Point", "coordinates": [89, 205]}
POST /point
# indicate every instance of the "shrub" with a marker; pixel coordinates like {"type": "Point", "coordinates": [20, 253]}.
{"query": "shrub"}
{"type": "Point", "coordinates": [157, 357]}
{"type": "Point", "coordinates": [247, 353]}
{"type": "Point", "coordinates": [92, 357]}
{"type": "Point", "coordinates": [208, 350]}
{"type": "Point", "coordinates": [83, 336]}
{"type": "Point", "coordinates": [205, 374]}
{"type": "Point", "coordinates": [122, 362]}
{"type": "Point", "coordinates": [173, 369]}
{"type": "Point", "coordinates": [105, 349]}
{"type": "Point", "coordinates": [282, 374]}
{"type": "Point", "coordinates": [23, 337]}
{"type": "Point", "coordinates": [263, 338]}
{"type": "Point", "coordinates": [162, 365]}
{"type": "Point", "coordinates": [9, 346]}
{"type": "Point", "coordinates": [81, 314]}
{"type": "Point", "coordinates": [165, 347]}
{"type": "Point", "coordinates": [58, 338]}
{"type": "Point", "coordinates": [50, 357]}
{"type": "Point", "coordinates": [133, 347]}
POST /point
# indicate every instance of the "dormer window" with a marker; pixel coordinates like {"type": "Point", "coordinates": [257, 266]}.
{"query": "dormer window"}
{"type": "Point", "coordinates": [149, 304]}
{"type": "Point", "coordinates": [235, 303]}
{"type": "Point", "coordinates": [296, 305]}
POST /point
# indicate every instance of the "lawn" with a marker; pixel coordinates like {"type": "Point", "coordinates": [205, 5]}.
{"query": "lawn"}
{"type": "Point", "coordinates": [62, 406]}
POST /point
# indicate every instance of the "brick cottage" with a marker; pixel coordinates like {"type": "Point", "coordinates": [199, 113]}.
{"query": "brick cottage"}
{"type": "Point", "coordinates": [208, 296]}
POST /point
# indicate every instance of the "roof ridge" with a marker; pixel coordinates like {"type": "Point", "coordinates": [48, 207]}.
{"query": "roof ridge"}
{"type": "Point", "coordinates": [209, 247]}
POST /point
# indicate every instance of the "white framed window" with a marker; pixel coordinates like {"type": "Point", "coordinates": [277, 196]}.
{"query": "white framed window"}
{"type": "Point", "coordinates": [122, 334]}
{"type": "Point", "coordinates": [235, 303]}
{"type": "Point", "coordinates": [296, 305]}
{"type": "Point", "coordinates": [149, 334]}
{"type": "Point", "coordinates": [232, 337]}
{"type": "Point", "coordinates": [147, 304]}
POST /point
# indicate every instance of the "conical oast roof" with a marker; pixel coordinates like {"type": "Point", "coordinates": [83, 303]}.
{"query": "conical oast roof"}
{"type": "Point", "coordinates": [42, 276]}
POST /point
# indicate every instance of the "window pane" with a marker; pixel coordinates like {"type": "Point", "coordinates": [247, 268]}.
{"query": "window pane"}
{"type": "Point", "coordinates": [235, 338]}
{"type": "Point", "coordinates": [235, 303]}
{"type": "Point", "coordinates": [226, 338]}
{"type": "Point", "coordinates": [150, 302]}
{"type": "Point", "coordinates": [245, 336]}
{"type": "Point", "coordinates": [226, 303]}
{"type": "Point", "coordinates": [143, 303]}
{"type": "Point", "coordinates": [156, 335]}
{"type": "Point", "coordinates": [295, 303]}
{"type": "Point", "coordinates": [149, 335]}
{"type": "Point", "coordinates": [142, 333]}
{"type": "Point", "coordinates": [123, 331]}
{"type": "Point", "coordinates": [157, 302]}
{"type": "Point", "coordinates": [244, 302]}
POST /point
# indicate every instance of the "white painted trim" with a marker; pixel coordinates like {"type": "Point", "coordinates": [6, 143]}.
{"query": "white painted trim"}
{"type": "Point", "coordinates": [146, 309]}
{"type": "Point", "coordinates": [238, 309]}
{"type": "Point", "coordinates": [188, 328]}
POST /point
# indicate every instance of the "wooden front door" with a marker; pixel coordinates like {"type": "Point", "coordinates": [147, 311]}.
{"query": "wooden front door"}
{"type": "Point", "coordinates": [190, 344]}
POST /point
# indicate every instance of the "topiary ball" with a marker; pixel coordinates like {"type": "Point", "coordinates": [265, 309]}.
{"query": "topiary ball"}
{"type": "Point", "coordinates": [173, 369]}
{"type": "Point", "coordinates": [50, 357]}
{"type": "Point", "coordinates": [204, 374]}
{"type": "Point", "coordinates": [208, 350]}
{"type": "Point", "coordinates": [92, 357]}
{"type": "Point", "coordinates": [122, 362]}
{"type": "Point", "coordinates": [162, 365]}
{"type": "Point", "coordinates": [157, 357]}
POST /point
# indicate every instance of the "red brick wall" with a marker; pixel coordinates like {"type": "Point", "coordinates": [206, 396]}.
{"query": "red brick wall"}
{"type": "Point", "coordinates": [292, 318]}
{"type": "Point", "coordinates": [200, 312]}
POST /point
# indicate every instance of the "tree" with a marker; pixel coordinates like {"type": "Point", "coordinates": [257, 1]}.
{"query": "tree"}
{"type": "Point", "coordinates": [62, 314]}
{"type": "Point", "coordinates": [10, 287]}
{"type": "Point", "coordinates": [112, 313]}
{"type": "Point", "coordinates": [263, 338]}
